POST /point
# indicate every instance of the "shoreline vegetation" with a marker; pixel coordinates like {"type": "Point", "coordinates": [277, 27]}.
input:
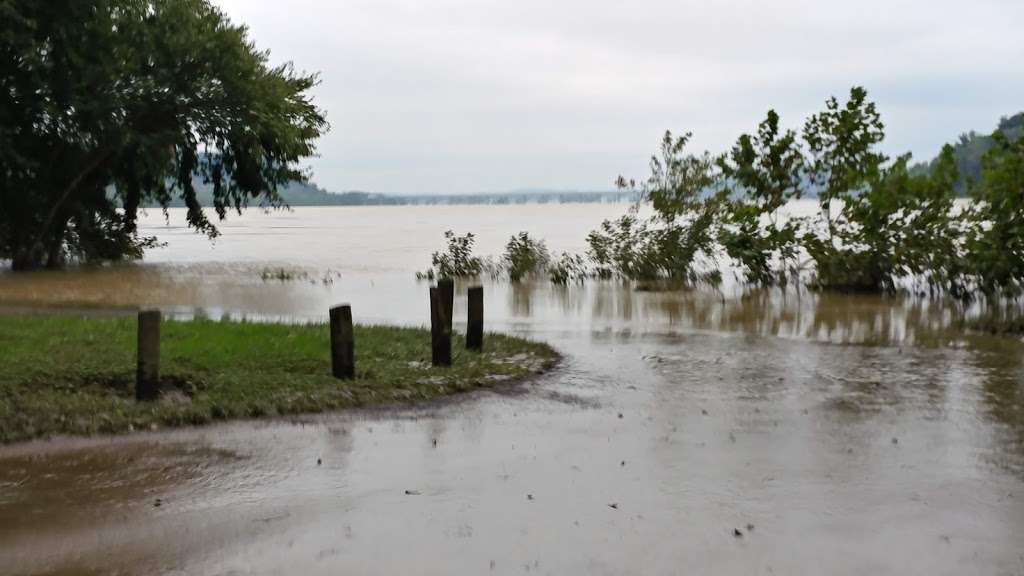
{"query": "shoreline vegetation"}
{"type": "Point", "coordinates": [882, 225]}
{"type": "Point", "coordinates": [68, 375]}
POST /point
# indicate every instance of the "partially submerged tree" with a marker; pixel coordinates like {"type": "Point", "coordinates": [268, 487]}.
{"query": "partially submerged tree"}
{"type": "Point", "coordinates": [844, 160]}
{"type": "Point", "coordinates": [682, 189]}
{"type": "Point", "coordinates": [106, 105]}
{"type": "Point", "coordinates": [525, 256]}
{"type": "Point", "coordinates": [764, 172]}
{"type": "Point", "coordinates": [995, 237]}
{"type": "Point", "coordinates": [879, 223]}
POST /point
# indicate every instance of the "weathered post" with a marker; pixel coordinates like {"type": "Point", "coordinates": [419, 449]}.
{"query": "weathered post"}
{"type": "Point", "coordinates": [475, 321]}
{"type": "Point", "coordinates": [147, 375]}
{"type": "Point", "coordinates": [446, 286]}
{"type": "Point", "coordinates": [440, 333]}
{"type": "Point", "coordinates": [343, 360]}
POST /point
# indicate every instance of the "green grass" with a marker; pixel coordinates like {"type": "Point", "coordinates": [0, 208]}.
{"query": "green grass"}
{"type": "Point", "coordinates": [70, 375]}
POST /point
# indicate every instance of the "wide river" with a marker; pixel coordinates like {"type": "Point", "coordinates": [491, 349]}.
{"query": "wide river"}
{"type": "Point", "coordinates": [685, 432]}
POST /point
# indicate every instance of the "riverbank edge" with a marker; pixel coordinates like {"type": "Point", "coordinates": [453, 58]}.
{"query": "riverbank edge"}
{"type": "Point", "coordinates": [74, 376]}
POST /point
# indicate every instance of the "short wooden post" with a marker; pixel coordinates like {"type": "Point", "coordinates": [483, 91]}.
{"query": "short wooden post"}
{"type": "Point", "coordinates": [440, 333]}
{"type": "Point", "coordinates": [343, 360]}
{"type": "Point", "coordinates": [475, 321]}
{"type": "Point", "coordinates": [446, 286]}
{"type": "Point", "coordinates": [147, 375]}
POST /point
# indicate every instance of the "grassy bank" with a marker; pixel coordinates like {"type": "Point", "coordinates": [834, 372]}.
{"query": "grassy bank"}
{"type": "Point", "coordinates": [70, 375]}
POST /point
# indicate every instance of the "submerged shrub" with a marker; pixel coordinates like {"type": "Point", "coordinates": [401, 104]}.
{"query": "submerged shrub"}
{"type": "Point", "coordinates": [568, 268]}
{"type": "Point", "coordinates": [525, 257]}
{"type": "Point", "coordinates": [457, 261]}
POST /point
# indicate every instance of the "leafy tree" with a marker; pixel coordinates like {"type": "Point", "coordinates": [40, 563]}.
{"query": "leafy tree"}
{"type": "Point", "coordinates": [995, 237]}
{"type": "Point", "coordinates": [842, 143]}
{"type": "Point", "coordinates": [903, 226]}
{"type": "Point", "coordinates": [766, 171]}
{"type": "Point", "coordinates": [891, 223]}
{"type": "Point", "coordinates": [106, 105]}
{"type": "Point", "coordinates": [681, 189]}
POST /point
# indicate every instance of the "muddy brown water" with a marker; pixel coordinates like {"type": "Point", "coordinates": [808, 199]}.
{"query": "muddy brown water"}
{"type": "Point", "coordinates": [685, 432]}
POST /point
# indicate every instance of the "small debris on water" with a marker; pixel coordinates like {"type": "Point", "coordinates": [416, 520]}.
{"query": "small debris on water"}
{"type": "Point", "coordinates": [435, 442]}
{"type": "Point", "coordinates": [620, 414]}
{"type": "Point", "coordinates": [732, 437]}
{"type": "Point", "coordinates": [412, 492]}
{"type": "Point", "coordinates": [737, 533]}
{"type": "Point", "coordinates": [529, 496]}
{"type": "Point", "coordinates": [895, 440]}
{"type": "Point", "coordinates": [623, 463]}
{"type": "Point", "coordinates": [319, 461]}
{"type": "Point", "coordinates": [614, 505]}
{"type": "Point", "coordinates": [750, 527]}
{"type": "Point", "coordinates": [704, 412]}
{"type": "Point", "coordinates": [157, 503]}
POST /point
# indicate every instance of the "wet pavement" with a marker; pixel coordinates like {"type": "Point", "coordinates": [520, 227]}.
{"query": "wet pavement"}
{"type": "Point", "coordinates": [684, 432]}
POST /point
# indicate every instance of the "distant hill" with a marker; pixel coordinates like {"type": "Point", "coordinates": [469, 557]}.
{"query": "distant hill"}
{"type": "Point", "coordinates": [971, 146]}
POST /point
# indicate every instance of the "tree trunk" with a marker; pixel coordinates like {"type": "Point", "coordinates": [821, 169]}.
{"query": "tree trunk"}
{"type": "Point", "coordinates": [55, 248]}
{"type": "Point", "coordinates": [27, 258]}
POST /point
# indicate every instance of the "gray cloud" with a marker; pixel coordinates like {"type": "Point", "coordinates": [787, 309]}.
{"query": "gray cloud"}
{"type": "Point", "coordinates": [460, 95]}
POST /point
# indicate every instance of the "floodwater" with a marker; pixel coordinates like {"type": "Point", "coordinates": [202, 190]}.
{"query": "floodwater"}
{"type": "Point", "coordinates": [709, 432]}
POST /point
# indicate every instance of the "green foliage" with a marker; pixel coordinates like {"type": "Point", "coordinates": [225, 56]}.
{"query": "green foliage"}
{"type": "Point", "coordinates": [766, 171]}
{"type": "Point", "coordinates": [970, 149]}
{"type": "Point", "coordinates": [525, 256]}
{"type": "Point", "coordinates": [880, 222]}
{"type": "Point", "coordinates": [67, 375]}
{"type": "Point", "coordinates": [680, 234]}
{"type": "Point", "coordinates": [108, 105]}
{"type": "Point", "coordinates": [457, 261]}
{"type": "Point", "coordinates": [891, 224]}
{"type": "Point", "coordinates": [842, 142]}
{"type": "Point", "coordinates": [568, 268]}
{"type": "Point", "coordinates": [902, 226]}
{"type": "Point", "coordinates": [995, 237]}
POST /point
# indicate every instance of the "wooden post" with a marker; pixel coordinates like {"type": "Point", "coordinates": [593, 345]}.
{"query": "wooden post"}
{"type": "Point", "coordinates": [475, 322]}
{"type": "Point", "coordinates": [343, 360]}
{"type": "Point", "coordinates": [446, 287]}
{"type": "Point", "coordinates": [440, 333]}
{"type": "Point", "coordinates": [147, 375]}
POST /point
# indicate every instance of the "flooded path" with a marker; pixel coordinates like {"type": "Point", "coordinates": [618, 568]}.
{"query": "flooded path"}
{"type": "Point", "coordinates": [685, 432]}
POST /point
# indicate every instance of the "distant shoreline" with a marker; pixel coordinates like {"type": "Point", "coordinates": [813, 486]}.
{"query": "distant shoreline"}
{"type": "Point", "coordinates": [296, 195]}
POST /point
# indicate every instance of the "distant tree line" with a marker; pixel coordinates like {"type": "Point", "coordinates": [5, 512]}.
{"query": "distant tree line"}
{"type": "Point", "coordinates": [880, 225]}
{"type": "Point", "coordinates": [970, 149]}
{"type": "Point", "coordinates": [298, 193]}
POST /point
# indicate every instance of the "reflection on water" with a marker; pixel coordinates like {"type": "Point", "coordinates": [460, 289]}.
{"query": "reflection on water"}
{"type": "Point", "coordinates": [215, 290]}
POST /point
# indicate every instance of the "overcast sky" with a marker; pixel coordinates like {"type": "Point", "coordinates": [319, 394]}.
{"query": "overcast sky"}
{"type": "Point", "coordinates": [434, 96]}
